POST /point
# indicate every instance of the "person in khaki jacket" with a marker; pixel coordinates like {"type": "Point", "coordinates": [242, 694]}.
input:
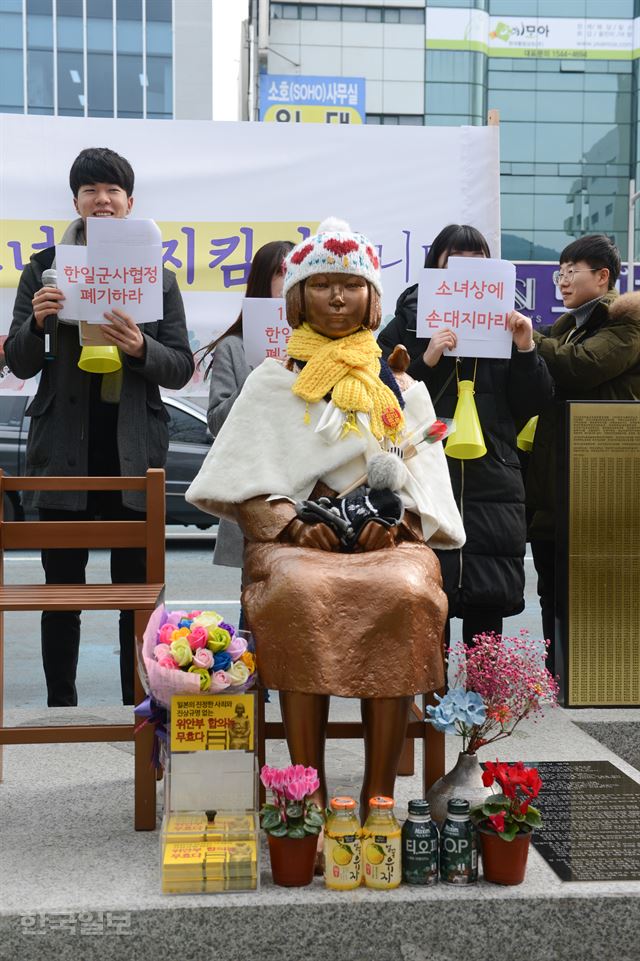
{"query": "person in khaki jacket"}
{"type": "Point", "coordinates": [592, 353]}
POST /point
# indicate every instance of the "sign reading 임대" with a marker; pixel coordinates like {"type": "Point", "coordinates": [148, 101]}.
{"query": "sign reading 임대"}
{"type": "Point", "coordinates": [294, 99]}
{"type": "Point", "coordinates": [120, 267]}
{"type": "Point", "coordinates": [265, 331]}
{"type": "Point", "coordinates": [473, 297]}
{"type": "Point", "coordinates": [208, 723]}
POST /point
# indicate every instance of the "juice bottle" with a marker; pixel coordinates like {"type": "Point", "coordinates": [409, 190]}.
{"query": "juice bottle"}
{"type": "Point", "coordinates": [342, 846]}
{"type": "Point", "coordinates": [381, 845]}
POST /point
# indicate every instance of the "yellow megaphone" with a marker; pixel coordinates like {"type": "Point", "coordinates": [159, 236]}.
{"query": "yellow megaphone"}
{"type": "Point", "coordinates": [100, 360]}
{"type": "Point", "coordinates": [467, 443]}
{"type": "Point", "coordinates": [526, 435]}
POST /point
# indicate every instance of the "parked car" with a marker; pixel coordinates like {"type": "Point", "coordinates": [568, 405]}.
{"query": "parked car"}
{"type": "Point", "coordinates": [189, 442]}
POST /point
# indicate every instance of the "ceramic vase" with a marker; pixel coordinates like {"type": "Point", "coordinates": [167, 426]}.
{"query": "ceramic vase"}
{"type": "Point", "coordinates": [292, 860]}
{"type": "Point", "coordinates": [463, 781]}
{"type": "Point", "coordinates": [504, 862]}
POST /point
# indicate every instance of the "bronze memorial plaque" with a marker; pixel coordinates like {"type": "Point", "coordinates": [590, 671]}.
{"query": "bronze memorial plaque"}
{"type": "Point", "coordinates": [603, 551]}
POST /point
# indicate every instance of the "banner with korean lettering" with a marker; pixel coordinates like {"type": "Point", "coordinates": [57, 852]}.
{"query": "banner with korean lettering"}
{"type": "Point", "coordinates": [294, 99]}
{"type": "Point", "coordinates": [555, 37]}
{"type": "Point", "coordinates": [219, 191]}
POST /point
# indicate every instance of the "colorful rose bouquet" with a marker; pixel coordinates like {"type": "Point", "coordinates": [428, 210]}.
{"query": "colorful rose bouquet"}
{"type": "Point", "coordinates": [510, 811]}
{"type": "Point", "coordinates": [504, 681]}
{"type": "Point", "coordinates": [195, 652]}
{"type": "Point", "coordinates": [291, 813]}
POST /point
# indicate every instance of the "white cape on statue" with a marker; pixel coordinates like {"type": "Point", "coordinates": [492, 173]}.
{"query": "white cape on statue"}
{"type": "Point", "coordinates": [265, 448]}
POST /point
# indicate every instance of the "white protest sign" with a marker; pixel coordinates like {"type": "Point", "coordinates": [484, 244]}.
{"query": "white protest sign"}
{"type": "Point", "coordinates": [121, 267]}
{"type": "Point", "coordinates": [472, 296]}
{"type": "Point", "coordinates": [265, 330]}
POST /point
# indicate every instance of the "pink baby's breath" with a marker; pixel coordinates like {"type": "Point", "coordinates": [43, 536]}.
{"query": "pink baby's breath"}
{"type": "Point", "coordinates": [510, 677]}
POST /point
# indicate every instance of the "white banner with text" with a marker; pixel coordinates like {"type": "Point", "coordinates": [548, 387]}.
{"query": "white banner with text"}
{"type": "Point", "coordinates": [219, 191]}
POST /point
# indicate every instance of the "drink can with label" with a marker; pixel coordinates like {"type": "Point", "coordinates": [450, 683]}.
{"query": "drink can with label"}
{"type": "Point", "coordinates": [458, 845]}
{"type": "Point", "coordinates": [420, 845]}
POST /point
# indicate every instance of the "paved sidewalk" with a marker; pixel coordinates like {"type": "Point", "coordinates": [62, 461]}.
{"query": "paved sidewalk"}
{"type": "Point", "coordinates": [69, 849]}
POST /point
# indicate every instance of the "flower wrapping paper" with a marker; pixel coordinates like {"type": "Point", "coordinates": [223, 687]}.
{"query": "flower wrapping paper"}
{"type": "Point", "coordinates": [163, 684]}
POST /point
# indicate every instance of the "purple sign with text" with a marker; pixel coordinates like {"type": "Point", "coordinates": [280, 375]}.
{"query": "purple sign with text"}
{"type": "Point", "coordinates": [538, 297]}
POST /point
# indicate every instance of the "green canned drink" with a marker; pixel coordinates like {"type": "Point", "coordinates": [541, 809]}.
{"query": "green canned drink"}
{"type": "Point", "coordinates": [458, 845]}
{"type": "Point", "coordinates": [420, 845]}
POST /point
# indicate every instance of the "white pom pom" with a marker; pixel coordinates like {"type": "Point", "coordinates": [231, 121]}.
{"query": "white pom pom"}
{"type": "Point", "coordinates": [386, 472]}
{"type": "Point", "coordinates": [333, 225]}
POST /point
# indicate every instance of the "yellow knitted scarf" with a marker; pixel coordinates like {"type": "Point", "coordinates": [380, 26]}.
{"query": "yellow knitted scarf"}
{"type": "Point", "coordinates": [349, 369]}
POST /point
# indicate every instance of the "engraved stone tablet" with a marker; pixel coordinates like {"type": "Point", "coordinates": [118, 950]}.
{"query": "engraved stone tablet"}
{"type": "Point", "coordinates": [591, 821]}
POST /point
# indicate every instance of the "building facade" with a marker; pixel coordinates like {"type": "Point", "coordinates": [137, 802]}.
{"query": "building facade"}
{"type": "Point", "coordinates": [562, 73]}
{"type": "Point", "coordinates": [146, 59]}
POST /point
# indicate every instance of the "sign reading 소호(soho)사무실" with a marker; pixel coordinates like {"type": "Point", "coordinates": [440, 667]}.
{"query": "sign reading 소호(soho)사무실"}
{"type": "Point", "coordinates": [293, 99]}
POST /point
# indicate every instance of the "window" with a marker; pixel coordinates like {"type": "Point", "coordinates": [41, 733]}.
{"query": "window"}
{"type": "Point", "coordinates": [159, 63]}
{"type": "Point", "coordinates": [11, 57]}
{"type": "Point", "coordinates": [328, 12]}
{"type": "Point", "coordinates": [354, 14]}
{"type": "Point", "coordinates": [185, 428]}
{"type": "Point", "coordinates": [467, 4]}
{"type": "Point", "coordinates": [129, 57]}
{"type": "Point", "coordinates": [159, 88]}
{"type": "Point", "coordinates": [11, 93]}
{"type": "Point", "coordinates": [40, 56]}
{"type": "Point", "coordinates": [100, 58]}
{"type": "Point", "coordinates": [411, 15]}
{"type": "Point", "coordinates": [453, 66]}
{"type": "Point", "coordinates": [348, 14]}
{"type": "Point", "coordinates": [12, 411]}
{"type": "Point", "coordinates": [70, 59]}
{"type": "Point", "coordinates": [402, 119]}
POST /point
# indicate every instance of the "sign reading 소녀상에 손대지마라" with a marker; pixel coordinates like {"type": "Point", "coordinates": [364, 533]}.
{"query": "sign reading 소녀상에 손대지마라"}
{"type": "Point", "coordinates": [473, 297]}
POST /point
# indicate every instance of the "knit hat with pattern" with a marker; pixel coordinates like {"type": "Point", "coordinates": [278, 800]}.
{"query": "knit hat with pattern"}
{"type": "Point", "coordinates": [335, 249]}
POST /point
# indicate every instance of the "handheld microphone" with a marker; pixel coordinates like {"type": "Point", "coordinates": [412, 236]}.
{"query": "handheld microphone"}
{"type": "Point", "coordinates": [50, 279]}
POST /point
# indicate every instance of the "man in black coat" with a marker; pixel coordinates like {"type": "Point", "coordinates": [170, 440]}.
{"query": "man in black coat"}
{"type": "Point", "coordinates": [93, 424]}
{"type": "Point", "coordinates": [484, 581]}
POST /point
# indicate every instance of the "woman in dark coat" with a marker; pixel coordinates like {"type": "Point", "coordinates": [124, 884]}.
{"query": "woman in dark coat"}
{"type": "Point", "coordinates": [484, 580]}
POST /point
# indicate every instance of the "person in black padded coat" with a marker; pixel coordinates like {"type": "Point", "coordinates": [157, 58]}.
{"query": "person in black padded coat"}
{"type": "Point", "coordinates": [484, 580]}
